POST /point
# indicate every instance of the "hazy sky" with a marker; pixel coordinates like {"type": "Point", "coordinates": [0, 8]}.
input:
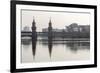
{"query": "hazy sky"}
{"type": "Point", "coordinates": [59, 19]}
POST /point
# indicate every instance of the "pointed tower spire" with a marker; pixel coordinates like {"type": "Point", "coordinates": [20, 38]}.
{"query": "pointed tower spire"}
{"type": "Point", "coordinates": [50, 23]}
{"type": "Point", "coordinates": [50, 26]}
{"type": "Point", "coordinates": [33, 23]}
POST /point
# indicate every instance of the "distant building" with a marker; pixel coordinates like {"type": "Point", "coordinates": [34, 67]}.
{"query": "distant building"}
{"type": "Point", "coordinates": [26, 29]}
{"type": "Point", "coordinates": [74, 27]}
{"type": "Point", "coordinates": [53, 30]}
{"type": "Point", "coordinates": [84, 28]}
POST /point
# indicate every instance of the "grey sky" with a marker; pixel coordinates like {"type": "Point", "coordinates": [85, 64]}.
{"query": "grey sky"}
{"type": "Point", "coordinates": [59, 19]}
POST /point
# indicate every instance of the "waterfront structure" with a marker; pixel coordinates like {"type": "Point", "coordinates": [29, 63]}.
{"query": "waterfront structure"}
{"type": "Point", "coordinates": [74, 27]}
{"type": "Point", "coordinates": [34, 37]}
{"type": "Point", "coordinates": [78, 31]}
{"type": "Point", "coordinates": [74, 30]}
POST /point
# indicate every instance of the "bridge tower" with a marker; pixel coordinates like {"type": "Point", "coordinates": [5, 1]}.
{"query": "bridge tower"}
{"type": "Point", "coordinates": [33, 26]}
{"type": "Point", "coordinates": [34, 36]}
{"type": "Point", "coordinates": [50, 29]}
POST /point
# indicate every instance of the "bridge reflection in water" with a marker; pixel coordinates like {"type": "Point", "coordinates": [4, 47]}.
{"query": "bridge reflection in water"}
{"type": "Point", "coordinates": [49, 50]}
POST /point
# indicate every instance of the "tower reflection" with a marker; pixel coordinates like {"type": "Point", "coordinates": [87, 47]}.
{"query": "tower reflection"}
{"type": "Point", "coordinates": [50, 45]}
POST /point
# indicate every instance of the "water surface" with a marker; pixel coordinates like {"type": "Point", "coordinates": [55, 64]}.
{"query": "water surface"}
{"type": "Point", "coordinates": [48, 51]}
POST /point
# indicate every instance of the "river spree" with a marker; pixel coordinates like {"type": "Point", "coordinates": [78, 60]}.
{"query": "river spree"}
{"type": "Point", "coordinates": [49, 51]}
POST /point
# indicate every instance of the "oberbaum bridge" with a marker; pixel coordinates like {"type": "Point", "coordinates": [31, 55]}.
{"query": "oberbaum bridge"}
{"type": "Point", "coordinates": [34, 33]}
{"type": "Point", "coordinates": [84, 35]}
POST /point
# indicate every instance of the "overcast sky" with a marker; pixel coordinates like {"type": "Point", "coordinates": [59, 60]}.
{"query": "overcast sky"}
{"type": "Point", "coordinates": [59, 19]}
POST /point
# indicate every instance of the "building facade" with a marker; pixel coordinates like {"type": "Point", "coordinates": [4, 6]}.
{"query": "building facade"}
{"type": "Point", "coordinates": [72, 31]}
